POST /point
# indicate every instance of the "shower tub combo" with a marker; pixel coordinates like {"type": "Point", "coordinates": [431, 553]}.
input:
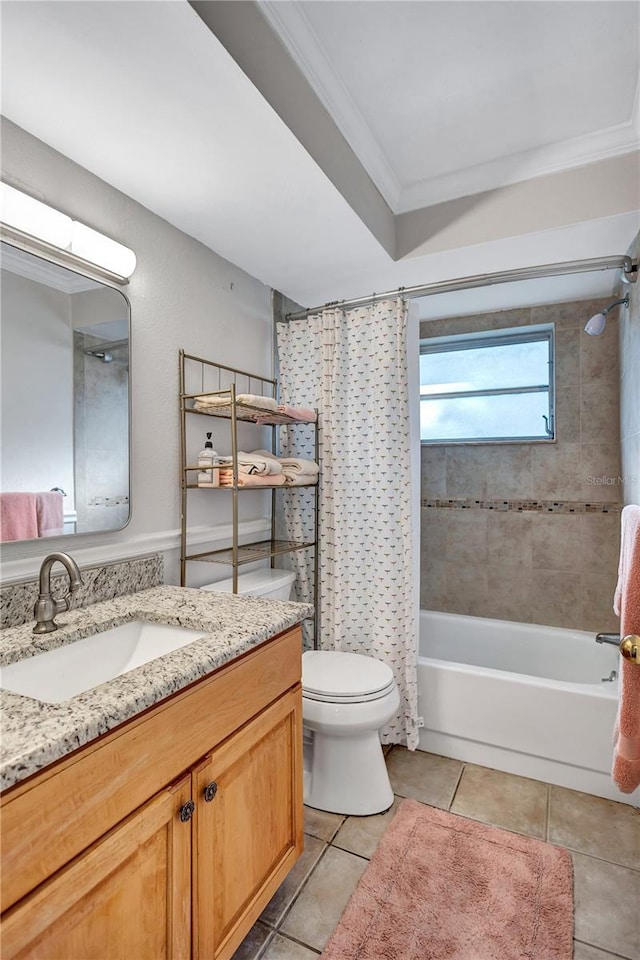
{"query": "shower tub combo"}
{"type": "Point", "coordinates": [531, 700]}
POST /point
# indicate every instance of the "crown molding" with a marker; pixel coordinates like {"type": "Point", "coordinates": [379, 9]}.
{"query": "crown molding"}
{"type": "Point", "coordinates": [290, 24]}
{"type": "Point", "coordinates": [576, 152]}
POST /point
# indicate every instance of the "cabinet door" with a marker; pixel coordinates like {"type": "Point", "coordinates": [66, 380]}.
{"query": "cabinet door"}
{"type": "Point", "coordinates": [127, 896]}
{"type": "Point", "coordinates": [248, 827]}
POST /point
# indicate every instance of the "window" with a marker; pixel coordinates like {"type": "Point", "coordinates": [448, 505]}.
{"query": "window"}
{"type": "Point", "coordinates": [487, 387]}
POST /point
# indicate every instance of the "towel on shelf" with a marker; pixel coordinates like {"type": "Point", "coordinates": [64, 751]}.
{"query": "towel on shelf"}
{"type": "Point", "coordinates": [249, 399]}
{"type": "Point", "coordinates": [254, 463]}
{"type": "Point", "coordinates": [18, 517]}
{"type": "Point", "coordinates": [298, 413]}
{"type": "Point", "coordinates": [626, 758]}
{"type": "Point", "coordinates": [250, 479]}
{"type": "Point", "coordinates": [49, 513]}
{"type": "Point", "coordinates": [293, 466]}
{"type": "Point", "coordinates": [300, 480]}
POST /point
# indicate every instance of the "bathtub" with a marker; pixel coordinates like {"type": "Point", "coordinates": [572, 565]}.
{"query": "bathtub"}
{"type": "Point", "coordinates": [518, 697]}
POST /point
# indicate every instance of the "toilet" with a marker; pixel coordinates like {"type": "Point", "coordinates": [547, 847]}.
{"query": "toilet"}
{"type": "Point", "coordinates": [266, 582]}
{"type": "Point", "coordinates": [346, 699]}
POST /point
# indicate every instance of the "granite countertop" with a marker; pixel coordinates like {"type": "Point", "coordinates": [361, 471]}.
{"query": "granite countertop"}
{"type": "Point", "coordinates": [34, 734]}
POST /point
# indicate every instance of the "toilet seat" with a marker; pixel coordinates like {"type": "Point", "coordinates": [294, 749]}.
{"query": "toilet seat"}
{"type": "Point", "coordinates": [331, 676]}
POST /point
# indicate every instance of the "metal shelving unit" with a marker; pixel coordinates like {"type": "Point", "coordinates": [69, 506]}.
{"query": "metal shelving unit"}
{"type": "Point", "coordinates": [207, 371]}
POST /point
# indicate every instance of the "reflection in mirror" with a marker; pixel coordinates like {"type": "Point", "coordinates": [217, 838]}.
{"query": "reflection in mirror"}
{"type": "Point", "coordinates": [65, 401]}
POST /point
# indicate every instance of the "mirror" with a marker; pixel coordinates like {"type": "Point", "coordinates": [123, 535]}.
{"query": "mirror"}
{"type": "Point", "coordinates": [65, 401]}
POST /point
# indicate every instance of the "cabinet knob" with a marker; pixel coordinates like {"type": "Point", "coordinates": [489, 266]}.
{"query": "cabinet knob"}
{"type": "Point", "coordinates": [186, 811]}
{"type": "Point", "coordinates": [210, 791]}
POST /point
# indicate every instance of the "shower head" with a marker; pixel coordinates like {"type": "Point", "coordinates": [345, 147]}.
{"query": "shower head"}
{"type": "Point", "coordinates": [595, 326]}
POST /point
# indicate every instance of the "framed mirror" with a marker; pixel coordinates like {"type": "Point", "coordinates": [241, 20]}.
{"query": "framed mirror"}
{"type": "Point", "coordinates": [65, 400]}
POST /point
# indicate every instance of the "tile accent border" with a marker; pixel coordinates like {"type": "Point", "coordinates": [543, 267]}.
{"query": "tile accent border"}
{"type": "Point", "coordinates": [523, 506]}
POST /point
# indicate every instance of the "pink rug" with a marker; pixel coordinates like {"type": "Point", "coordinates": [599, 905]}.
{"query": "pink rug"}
{"type": "Point", "coordinates": [441, 887]}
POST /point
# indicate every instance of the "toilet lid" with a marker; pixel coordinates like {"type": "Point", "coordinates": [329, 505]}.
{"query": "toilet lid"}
{"type": "Point", "coordinates": [337, 677]}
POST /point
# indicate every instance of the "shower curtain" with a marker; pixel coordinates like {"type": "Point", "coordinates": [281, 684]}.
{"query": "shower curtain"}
{"type": "Point", "coordinates": [353, 366]}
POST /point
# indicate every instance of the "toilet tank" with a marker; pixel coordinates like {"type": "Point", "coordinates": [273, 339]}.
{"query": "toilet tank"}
{"type": "Point", "coordinates": [270, 583]}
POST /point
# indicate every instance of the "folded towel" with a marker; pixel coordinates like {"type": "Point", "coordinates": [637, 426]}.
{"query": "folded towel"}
{"type": "Point", "coordinates": [49, 513]}
{"type": "Point", "coordinates": [626, 759]}
{"type": "Point", "coordinates": [250, 399]}
{"type": "Point", "coordinates": [250, 479]}
{"type": "Point", "coordinates": [298, 413]}
{"type": "Point", "coordinates": [300, 480]}
{"type": "Point", "coordinates": [292, 466]}
{"type": "Point", "coordinates": [18, 517]}
{"type": "Point", "coordinates": [254, 463]}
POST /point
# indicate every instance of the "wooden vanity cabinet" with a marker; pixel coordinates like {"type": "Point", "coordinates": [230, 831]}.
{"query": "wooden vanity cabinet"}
{"type": "Point", "coordinates": [186, 873]}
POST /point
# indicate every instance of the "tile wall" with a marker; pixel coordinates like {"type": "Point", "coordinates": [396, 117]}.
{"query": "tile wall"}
{"type": "Point", "coordinates": [630, 385]}
{"type": "Point", "coordinates": [530, 532]}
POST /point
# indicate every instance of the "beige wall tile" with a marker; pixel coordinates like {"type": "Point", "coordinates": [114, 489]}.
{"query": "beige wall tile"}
{"type": "Point", "coordinates": [509, 538]}
{"type": "Point", "coordinates": [599, 355]}
{"type": "Point", "coordinates": [599, 542]}
{"type": "Point", "coordinates": [508, 472]}
{"type": "Point", "coordinates": [597, 591]}
{"type": "Point", "coordinates": [433, 472]}
{"type": "Point", "coordinates": [556, 541]}
{"type": "Point", "coordinates": [558, 598]}
{"type": "Point", "coordinates": [600, 412]}
{"type": "Point", "coordinates": [568, 414]}
{"type": "Point", "coordinates": [567, 340]}
{"type": "Point", "coordinates": [467, 471]}
{"type": "Point", "coordinates": [466, 589]}
{"type": "Point", "coordinates": [433, 532]}
{"type": "Point", "coordinates": [466, 536]}
{"type": "Point", "coordinates": [600, 469]}
{"type": "Point", "coordinates": [433, 583]}
{"type": "Point", "coordinates": [556, 471]}
{"type": "Point", "coordinates": [510, 593]}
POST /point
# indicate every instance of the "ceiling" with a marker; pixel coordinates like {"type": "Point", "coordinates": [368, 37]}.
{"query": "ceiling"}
{"type": "Point", "coordinates": [443, 99]}
{"type": "Point", "coordinates": [142, 94]}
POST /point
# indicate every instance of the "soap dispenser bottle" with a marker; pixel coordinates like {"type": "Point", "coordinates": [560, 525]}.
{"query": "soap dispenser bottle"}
{"type": "Point", "coordinates": [209, 477]}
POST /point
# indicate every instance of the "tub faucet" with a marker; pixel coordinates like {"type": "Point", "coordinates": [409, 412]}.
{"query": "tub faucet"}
{"type": "Point", "coordinates": [47, 606]}
{"type": "Point", "coordinates": [613, 638]}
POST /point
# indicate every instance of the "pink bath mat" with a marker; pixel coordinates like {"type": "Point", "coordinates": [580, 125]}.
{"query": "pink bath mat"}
{"type": "Point", "coordinates": [441, 887]}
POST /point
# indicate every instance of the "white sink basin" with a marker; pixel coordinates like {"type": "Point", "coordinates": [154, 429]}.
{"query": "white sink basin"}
{"type": "Point", "coordinates": [63, 673]}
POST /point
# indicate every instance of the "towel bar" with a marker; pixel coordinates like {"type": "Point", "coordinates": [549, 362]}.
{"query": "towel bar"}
{"type": "Point", "coordinates": [630, 648]}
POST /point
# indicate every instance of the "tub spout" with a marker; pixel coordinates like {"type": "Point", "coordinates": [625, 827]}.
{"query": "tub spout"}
{"type": "Point", "coordinates": [613, 638]}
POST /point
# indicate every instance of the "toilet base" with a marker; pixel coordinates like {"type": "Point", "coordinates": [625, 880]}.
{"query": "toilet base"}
{"type": "Point", "coordinates": [347, 775]}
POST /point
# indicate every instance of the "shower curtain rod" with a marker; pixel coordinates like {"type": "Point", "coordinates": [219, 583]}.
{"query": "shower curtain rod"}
{"type": "Point", "coordinates": [628, 266]}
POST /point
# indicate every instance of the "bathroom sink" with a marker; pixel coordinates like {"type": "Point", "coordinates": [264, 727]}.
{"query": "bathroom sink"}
{"type": "Point", "coordinates": [79, 666]}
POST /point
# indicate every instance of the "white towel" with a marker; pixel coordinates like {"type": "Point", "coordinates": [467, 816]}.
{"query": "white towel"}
{"type": "Point", "coordinates": [292, 466]}
{"type": "Point", "coordinates": [251, 399]}
{"type": "Point", "coordinates": [254, 463]}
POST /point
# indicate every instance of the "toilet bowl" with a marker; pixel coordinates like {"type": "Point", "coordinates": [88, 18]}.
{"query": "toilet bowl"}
{"type": "Point", "coordinates": [346, 698]}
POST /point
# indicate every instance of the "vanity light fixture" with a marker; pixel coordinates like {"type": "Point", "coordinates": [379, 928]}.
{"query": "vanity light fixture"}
{"type": "Point", "coordinates": [75, 241]}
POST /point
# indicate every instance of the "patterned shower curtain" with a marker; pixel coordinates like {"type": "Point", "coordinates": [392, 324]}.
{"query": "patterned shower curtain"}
{"type": "Point", "coordinates": [353, 366]}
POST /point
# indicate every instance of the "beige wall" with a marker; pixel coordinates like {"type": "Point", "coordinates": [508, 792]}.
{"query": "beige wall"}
{"type": "Point", "coordinates": [551, 557]}
{"type": "Point", "coordinates": [630, 386]}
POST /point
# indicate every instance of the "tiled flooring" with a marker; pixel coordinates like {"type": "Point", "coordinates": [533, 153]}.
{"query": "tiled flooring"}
{"type": "Point", "coordinates": [603, 836]}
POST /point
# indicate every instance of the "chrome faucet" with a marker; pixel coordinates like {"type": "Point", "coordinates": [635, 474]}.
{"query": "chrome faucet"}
{"type": "Point", "coordinates": [47, 606]}
{"type": "Point", "coordinates": [612, 638]}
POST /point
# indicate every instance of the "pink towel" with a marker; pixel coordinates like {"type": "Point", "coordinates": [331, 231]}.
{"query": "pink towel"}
{"type": "Point", "coordinates": [50, 513]}
{"type": "Point", "coordinates": [298, 413]}
{"type": "Point", "coordinates": [18, 519]}
{"type": "Point", "coordinates": [626, 758]}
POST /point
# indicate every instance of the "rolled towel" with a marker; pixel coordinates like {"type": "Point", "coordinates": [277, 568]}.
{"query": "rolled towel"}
{"type": "Point", "coordinates": [254, 463]}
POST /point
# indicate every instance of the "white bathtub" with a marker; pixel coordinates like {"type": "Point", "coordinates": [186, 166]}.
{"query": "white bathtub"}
{"type": "Point", "coordinates": [519, 697]}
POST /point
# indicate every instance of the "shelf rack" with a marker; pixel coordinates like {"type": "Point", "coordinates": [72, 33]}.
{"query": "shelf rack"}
{"type": "Point", "coordinates": [235, 411]}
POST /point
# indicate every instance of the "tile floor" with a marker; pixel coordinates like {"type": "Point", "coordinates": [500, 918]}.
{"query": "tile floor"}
{"type": "Point", "coordinates": [603, 837]}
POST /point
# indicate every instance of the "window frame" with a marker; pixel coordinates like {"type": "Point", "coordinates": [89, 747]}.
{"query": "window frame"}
{"type": "Point", "coordinates": [490, 338]}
